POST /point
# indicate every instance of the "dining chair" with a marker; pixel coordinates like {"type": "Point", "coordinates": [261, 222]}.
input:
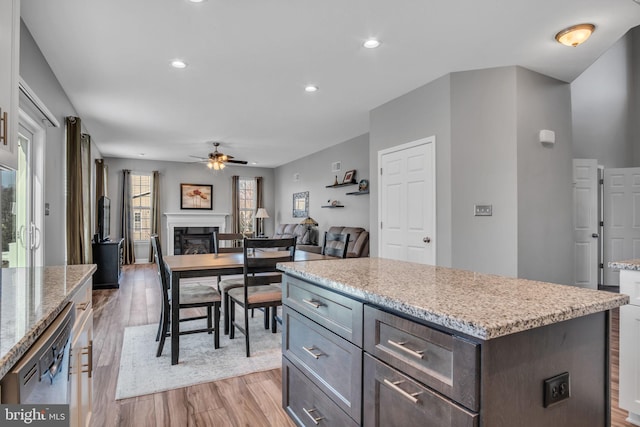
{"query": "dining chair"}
{"type": "Point", "coordinates": [335, 244]}
{"type": "Point", "coordinates": [225, 285]}
{"type": "Point", "coordinates": [192, 295]}
{"type": "Point", "coordinates": [260, 290]}
{"type": "Point", "coordinates": [232, 238]}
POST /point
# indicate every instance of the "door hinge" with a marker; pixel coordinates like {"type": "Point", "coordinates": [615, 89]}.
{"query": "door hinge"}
{"type": "Point", "coordinates": [380, 171]}
{"type": "Point", "coordinates": [380, 225]}
{"type": "Point", "coordinates": [601, 181]}
{"type": "Point", "coordinates": [601, 223]}
{"type": "Point", "coordinates": [601, 265]}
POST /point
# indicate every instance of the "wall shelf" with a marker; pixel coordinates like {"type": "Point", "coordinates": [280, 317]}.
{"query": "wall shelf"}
{"type": "Point", "coordinates": [341, 185]}
{"type": "Point", "coordinates": [358, 193]}
{"type": "Point", "coordinates": [331, 206]}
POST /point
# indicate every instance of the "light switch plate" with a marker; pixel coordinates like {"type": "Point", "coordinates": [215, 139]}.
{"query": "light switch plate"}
{"type": "Point", "coordinates": [483, 210]}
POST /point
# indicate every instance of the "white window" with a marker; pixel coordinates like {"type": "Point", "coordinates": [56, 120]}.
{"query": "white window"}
{"type": "Point", "coordinates": [247, 204]}
{"type": "Point", "coordinates": [141, 205]}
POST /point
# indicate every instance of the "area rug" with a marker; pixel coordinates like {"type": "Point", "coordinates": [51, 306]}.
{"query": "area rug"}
{"type": "Point", "coordinates": [141, 372]}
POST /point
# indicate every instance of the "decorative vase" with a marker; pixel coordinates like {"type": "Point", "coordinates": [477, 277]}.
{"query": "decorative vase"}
{"type": "Point", "coordinates": [336, 181]}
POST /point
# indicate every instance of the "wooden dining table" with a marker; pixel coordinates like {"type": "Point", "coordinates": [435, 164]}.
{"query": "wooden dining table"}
{"type": "Point", "coordinates": [205, 265]}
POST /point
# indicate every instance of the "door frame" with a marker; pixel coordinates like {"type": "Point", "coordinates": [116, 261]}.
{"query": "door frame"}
{"type": "Point", "coordinates": [401, 147]}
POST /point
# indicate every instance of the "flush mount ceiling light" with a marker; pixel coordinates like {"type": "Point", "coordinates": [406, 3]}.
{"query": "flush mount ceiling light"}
{"type": "Point", "coordinates": [371, 44]}
{"type": "Point", "coordinates": [311, 88]}
{"type": "Point", "coordinates": [573, 36]}
{"type": "Point", "coordinates": [178, 63]}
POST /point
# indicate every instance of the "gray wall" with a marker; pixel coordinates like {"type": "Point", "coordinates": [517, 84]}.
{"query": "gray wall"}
{"type": "Point", "coordinates": [314, 174]}
{"type": "Point", "coordinates": [172, 174]}
{"type": "Point", "coordinates": [545, 190]}
{"type": "Point", "coordinates": [484, 170]}
{"type": "Point", "coordinates": [601, 101]}
{"type": "Point", "coordinates": [423, 112]}
{"type": "Point", "coordinates": [36, 72]}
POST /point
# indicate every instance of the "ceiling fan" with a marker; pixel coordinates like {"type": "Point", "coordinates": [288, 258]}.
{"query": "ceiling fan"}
{"type": "Point", "coordinates": [217, 160]}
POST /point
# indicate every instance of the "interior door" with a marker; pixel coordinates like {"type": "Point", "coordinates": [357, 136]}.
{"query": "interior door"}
{"type": "Point", "coordinates": [407, 202]}
{"type": "Point", "coordinates": [621, 219]}
{"type": "Point", "coordinates": [586, 220]}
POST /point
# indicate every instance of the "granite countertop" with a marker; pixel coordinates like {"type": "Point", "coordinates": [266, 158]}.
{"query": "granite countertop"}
{"type": "Point", "coordinates": [632, 264]}
{"type": "Point", "coordinates": [481, 305]}
{"type": "Point", "coordinates": [30, 300]}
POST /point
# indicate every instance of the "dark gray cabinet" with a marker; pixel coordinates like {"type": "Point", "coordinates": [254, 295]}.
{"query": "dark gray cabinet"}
{"type": "Point", "coordinates": [108, 258]}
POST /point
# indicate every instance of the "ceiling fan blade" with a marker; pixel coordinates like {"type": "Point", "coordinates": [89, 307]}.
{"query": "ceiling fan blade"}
{"type": "Point", "coordinates": [199, 157]}
{"type": "Point", "coordinates": [240, 162]}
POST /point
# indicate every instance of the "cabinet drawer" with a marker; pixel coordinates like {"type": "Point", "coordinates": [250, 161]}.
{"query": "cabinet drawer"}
{"type": "Point", "coordinates": [630, 285]}
{"type": "Point", "coordinates": [338, 313]}
{"type": "Point", "coordinates": [393, 399]}
{"type": "Point", "coordinates": [306, 404]}
{"type": "Point", "coordinates": [442, 361]}
{"type": "Point", "coordinates": [329, 361]}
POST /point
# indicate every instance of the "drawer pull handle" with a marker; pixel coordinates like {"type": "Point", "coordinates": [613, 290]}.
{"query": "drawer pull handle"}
{"type": "Point", "coordinates": [83, 305]}
{"type": "Point", "coordinates": [312, 303]}
{"type": "Point", "coordinates": [401, 345]}
{"type": "Point", "coordinates": [310, 415]}
{"type": "Point", "coordinates": [4, 136]}
{"type": "Point", "coordinates": [394, 386]}
{"type": "Point", "coordinates": [310, 351]}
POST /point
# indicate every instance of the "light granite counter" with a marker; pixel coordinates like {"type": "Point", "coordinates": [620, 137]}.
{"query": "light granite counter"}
{"type": "Point", "coordinates": [480, 305]}
{"type": "Point", "coordinates": [632, 264]}
{"type": "Point", "coordinates": [30, 300]}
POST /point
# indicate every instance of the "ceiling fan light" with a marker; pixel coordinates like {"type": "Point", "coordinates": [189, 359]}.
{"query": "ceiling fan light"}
{"type": "Point", "coordinates": [575, 35]}
{"type": "Point", "coordinates": [210, 165]}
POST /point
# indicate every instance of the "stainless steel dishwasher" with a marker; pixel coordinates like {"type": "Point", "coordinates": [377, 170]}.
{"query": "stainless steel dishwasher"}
{"type": "Point", "coordinates": [41, 376]}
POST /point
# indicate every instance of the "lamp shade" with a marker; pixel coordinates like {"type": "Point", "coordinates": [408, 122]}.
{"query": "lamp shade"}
{"type": "Point", "coordinates": [262, 213]}
{"type": "Point", "coordinates": [309, 221]}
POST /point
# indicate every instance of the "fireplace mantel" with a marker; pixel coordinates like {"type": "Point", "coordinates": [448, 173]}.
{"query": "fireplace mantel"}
{"type": "Point", "coordinates": [192, 219]}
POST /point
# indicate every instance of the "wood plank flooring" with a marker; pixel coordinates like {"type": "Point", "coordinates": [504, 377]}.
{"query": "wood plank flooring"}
{"type": "Point", "coordinates": [250, 400]}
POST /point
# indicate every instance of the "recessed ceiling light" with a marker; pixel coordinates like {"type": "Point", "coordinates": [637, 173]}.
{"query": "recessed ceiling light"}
{"type": "Point", "coordinates": [178, 63]}
{"type": "Point", "coordinates": [254, 163]}
{"type": "Point", "coordinates": [371, 44]}
{"type": "Point", "coordinates": [196, 1]}
{"type": "Point", "coordinates": [311, 88]}
{"type": "Point", "coordinates": [573, 36]}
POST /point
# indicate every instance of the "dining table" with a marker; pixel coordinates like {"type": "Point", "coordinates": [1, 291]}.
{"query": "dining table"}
{"type": "Point", "coordinates": [206, 265]}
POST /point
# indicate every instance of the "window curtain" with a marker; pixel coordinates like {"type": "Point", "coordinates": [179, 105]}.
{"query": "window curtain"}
{"type": "Point", "coordinates": [259, 202]}
{"type": "Point", "coordinates": [78, 174]}
{"type": "Point", "coordinates": [126, 219]}
{"type": "Point", "coordinates": [235, 204]}
{"type": "Point", "coordinates": [155, 210]}
{"type": "Point", "coordinates": [101, 185]}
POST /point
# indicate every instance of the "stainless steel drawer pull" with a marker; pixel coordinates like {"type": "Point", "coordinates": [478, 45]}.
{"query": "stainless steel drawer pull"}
{"type": "Point", "coordinates": [394, 386]}
{"type": "Point", "coordinates": [313, 418]}
{"type": "Point", "coordinates": [401, 345]}
{"type": "Point", "coordinates": [312, 303]}
{"type": "Point", "coordinates": [310, 351]}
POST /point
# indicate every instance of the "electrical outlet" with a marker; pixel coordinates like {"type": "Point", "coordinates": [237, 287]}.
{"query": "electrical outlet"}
{"type": "Point", "coordinates": [482, 210]}
{"type": "Point", "coordinates": [556, 389]}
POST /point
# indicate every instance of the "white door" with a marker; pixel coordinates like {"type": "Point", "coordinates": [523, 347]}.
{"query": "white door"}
{"type": "Point", "coordinates": [621, 219]}
{"type": "Point", "coordinates": [406, 202]}
{"type": "Point", "coordinates": [585, 223]}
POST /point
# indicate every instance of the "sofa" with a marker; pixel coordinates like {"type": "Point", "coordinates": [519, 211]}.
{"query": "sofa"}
{"type": "Point", "coordinates": [303, 235]}
{"type": "Point", "coordinates": [358, 242]}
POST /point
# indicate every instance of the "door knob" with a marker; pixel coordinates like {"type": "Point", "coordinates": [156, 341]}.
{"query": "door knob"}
{"type": "Point", "coordinates": [595, 235]}
{"type": "Point", "coordinates": [427, 239]}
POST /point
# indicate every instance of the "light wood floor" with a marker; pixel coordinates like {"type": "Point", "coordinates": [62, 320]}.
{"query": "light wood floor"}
{"type": "Point", "coordinates": [250, 400]}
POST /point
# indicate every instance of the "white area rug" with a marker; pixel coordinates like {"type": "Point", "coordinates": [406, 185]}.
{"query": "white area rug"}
{"type": "Point", "coordinates": [141, 372]}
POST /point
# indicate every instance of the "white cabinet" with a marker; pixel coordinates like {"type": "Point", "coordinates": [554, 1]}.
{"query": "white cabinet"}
{"type": "Point", "coordinates": [81, 404]}
{"type": "Point", "coordinates": [9, 69]}
{"type": "Point", "coordinates": [629, 398]}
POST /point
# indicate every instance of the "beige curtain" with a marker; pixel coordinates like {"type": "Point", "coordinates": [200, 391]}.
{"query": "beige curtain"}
{"type": "Point", "coordinates": [155, 210]}
{"type": "Point", "coordinates": [78, 173]}
{"type": "Point", "coordinates": [235, 204]}
{"type": "Point", "coordinates": [126, 219]}
{"type": "Point", "coordinates": [259, 201]}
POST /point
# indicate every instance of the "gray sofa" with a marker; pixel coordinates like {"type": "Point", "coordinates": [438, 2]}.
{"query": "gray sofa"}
{"type": "Point", "coordinates": [303, 235]}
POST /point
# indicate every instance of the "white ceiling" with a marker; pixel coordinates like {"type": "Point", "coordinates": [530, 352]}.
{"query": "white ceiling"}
{"type": "Point", "coordinates": [249, 61]}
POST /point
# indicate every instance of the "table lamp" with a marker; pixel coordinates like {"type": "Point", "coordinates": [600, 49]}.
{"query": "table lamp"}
{"type": "Point", "coordinates": [261, 214]}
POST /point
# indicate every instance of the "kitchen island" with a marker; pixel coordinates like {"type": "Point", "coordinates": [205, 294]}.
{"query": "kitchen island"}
{"type": "Point", "coordinates": [30, 300]}
{"type": "Point", "coordinates": [371, 341]}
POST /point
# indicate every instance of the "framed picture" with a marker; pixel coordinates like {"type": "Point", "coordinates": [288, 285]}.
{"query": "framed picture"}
{"type": "Point", "coordinates": [196, 196]}
{"type": "Point", "coordinates": [349, 176]}
{"type": "Point", "coordinates": [301, 204]}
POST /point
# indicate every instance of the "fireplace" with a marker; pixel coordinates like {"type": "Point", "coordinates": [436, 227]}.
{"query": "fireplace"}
{"type": "Point", "coordinates": [195, 223]}
{"type": "Point", "coordinates": [193, 240]}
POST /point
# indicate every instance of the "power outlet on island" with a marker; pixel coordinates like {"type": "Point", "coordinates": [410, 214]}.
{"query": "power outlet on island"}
{"type": "Point", "coordinates": [557, 389]}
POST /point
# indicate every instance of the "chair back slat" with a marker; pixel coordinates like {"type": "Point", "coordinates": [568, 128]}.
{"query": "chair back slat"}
{"type": "Point", "coordinates": [337, 249]}
{"type": "Point", "coordinates": [163, 274]}
{"type": "Point", "coordinates": [278, 250]}
{"type": "Point", "coordinates": [234, 247]}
